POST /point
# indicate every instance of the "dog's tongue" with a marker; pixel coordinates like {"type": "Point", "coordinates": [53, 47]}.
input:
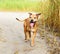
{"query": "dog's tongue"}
{"type": "Point", "coordinates": [31, 24]}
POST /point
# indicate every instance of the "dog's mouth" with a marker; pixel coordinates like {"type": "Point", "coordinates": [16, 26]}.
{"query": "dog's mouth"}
{"type": "Point", "coordinates": [31, 25]}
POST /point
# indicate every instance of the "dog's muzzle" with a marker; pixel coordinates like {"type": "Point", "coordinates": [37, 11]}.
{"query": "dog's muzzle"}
{"type": "Point", "coordinates": [32, 23]}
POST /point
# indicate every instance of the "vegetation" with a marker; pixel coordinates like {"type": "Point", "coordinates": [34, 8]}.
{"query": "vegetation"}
{"type": "Point", "coordinates": [52, 26]}
{"type": "Point", "coordinates": [19, 5]}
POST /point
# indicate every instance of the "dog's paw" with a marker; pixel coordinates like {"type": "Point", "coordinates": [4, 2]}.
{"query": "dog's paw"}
{"type": "Point", "coordinates": [26, 40]}
{"type": "Point", "coordinates": [32, 44]}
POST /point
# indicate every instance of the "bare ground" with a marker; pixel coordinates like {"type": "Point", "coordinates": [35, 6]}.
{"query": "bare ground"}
{"type": "Point", "coordinates": [12, 36]}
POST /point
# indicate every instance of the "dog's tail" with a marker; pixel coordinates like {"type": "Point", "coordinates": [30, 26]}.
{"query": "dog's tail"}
{"type": "Point", "coordinates": [19, 20]}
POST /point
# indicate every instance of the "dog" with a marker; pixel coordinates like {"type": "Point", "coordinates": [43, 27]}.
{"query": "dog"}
{"type": "Point", "coordinates": [30, 26]}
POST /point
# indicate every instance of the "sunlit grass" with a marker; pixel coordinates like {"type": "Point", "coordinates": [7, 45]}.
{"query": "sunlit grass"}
{"type": "Point", "coordinates": [18, 5]}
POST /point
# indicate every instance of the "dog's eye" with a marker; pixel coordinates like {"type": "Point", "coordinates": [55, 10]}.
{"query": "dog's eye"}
{"type": "Point", "coordinates": [29, 17]}
{"type": "Point", "coordinates": [34, 17]}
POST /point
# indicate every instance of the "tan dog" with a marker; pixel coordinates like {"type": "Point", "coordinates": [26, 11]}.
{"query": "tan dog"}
{"type": "Point", "coordinates": [30, 27]}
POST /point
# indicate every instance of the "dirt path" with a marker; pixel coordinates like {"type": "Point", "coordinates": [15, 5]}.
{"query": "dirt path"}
{"type": "Point", "coordinates": [12, 36]}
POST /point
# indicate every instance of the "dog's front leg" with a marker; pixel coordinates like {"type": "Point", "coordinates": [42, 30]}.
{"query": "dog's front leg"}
{"type": "Point", "coordinates": [27, 36]}
{"type": "Point", "coordinates": [33, 34]}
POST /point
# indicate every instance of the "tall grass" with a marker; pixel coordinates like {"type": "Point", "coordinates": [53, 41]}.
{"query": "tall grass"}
{"type": "Point", "coordinates": [22, 5]}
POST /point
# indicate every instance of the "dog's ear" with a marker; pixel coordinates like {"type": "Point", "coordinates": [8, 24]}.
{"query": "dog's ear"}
{"type": "Point", "coordinates": [30, 13]}
{"type": "Point", "coordinates": [38, 14]}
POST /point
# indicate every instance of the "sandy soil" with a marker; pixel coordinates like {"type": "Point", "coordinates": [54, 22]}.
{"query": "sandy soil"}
{"type": "Point", "coordinates": [12, 36]}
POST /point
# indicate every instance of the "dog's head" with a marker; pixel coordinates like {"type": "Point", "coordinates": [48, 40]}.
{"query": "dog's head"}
{"type": "Point", "coordinates": [33, 18]}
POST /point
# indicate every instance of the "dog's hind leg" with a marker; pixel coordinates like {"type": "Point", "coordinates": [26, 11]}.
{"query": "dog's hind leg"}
{"type": "Point", "coordinates": [25, 36]}
{"type": "Point", "coordinates": [29, 34]}
{"type": "Point", "coordinates": [25, 32]}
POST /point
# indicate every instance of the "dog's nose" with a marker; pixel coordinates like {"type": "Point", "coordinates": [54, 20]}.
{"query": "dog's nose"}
{"type": "Point", "coordinates": [31, 21]}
